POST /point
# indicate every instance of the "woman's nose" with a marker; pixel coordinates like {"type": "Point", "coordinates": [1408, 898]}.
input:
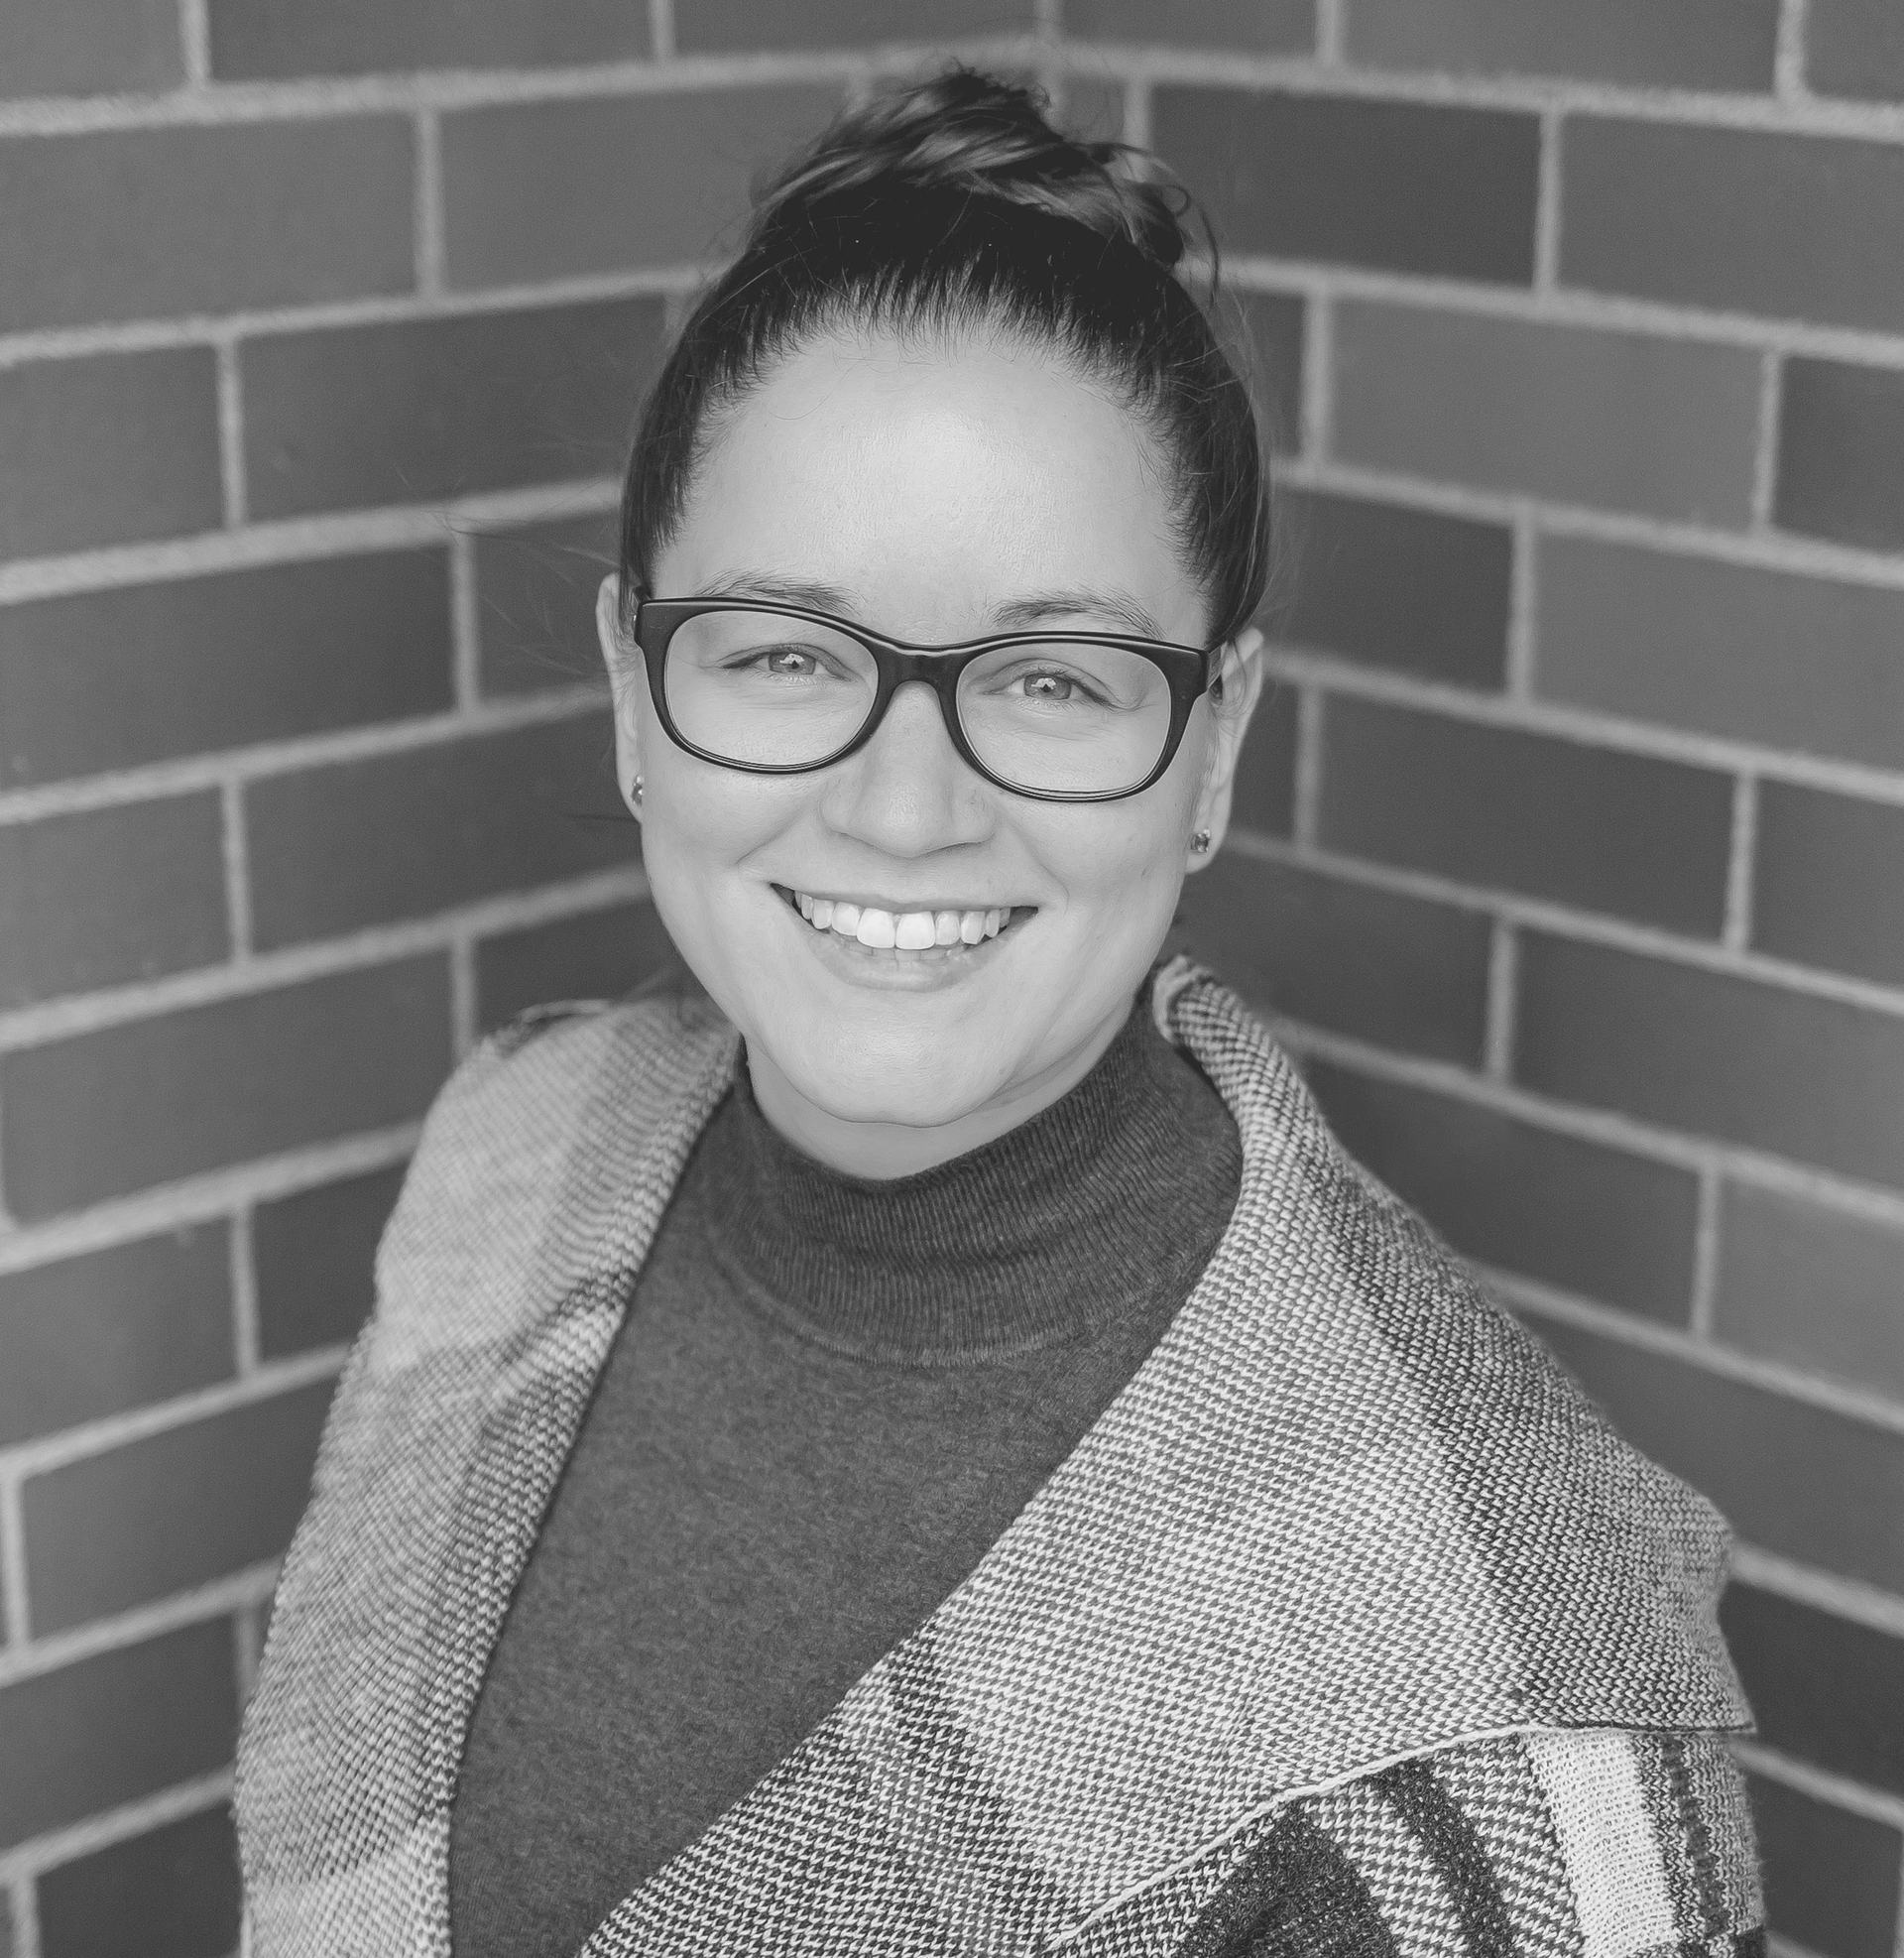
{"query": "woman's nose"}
{"type": "Point", "coordinates": [908, 790]}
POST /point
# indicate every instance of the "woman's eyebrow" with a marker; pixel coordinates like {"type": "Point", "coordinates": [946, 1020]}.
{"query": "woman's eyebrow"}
{"type": "Point", "coordinates": [1039, 606]}
{"type": "Point", "coordinates": [771, 588]}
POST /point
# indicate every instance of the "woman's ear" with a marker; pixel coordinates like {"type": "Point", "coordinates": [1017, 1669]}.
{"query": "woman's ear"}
{"type": "Point", "coordinates": [1240, 677]}
{"type": "Point", "coordinates": [627, 683]}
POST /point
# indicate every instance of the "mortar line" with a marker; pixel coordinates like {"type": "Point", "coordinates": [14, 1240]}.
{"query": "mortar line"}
{"type": "Point", "coordinates": [1628, 1329]}
{"type": "Point", "coordinates": [86, 1439]}
{"type": "Point", "coordinates": [24, 1906]}
{"type": "Point", "coordinates": [247, 1649]}
{"type": "Point", "coordinates": [1331, 33]}
{"type": "Point", "coordinates": [1504, 970]}
{"type": "Point", "coordinates": [1764, 492]}
{"type": "Point", "coordinates": [231, 436]}
{"type": "Point", "coordinates": [1740, 865]}
{"type": "Point", "coordinates": [463, 1018]}
{"type": "Point", "coordinates": [204, 1199]}
{"type": "Point", "coordinates": [429, 216]}
{"type": "Point", "coordinates": [295, 541]}
{"type": "Point", "coordinates": [1606, 1128]}
{"type": "Point", "coordinates": [1547, 206]}
{"type": "Point", "coordinates": [115, 1825]}
{"type": "Point", "coordinates": [313, 97]}
{"type": "Point", "coordinates": [1788, 61]}
{"type": "Point", "coordinates": [16, 1619]}
{"type": "Point", "coordinates": [194, 42]}
{"type": "Point", "coordinates": [1523, 600]}
{"type": "Point", "coordinates": [203, 1604]}
{"type": "Point", "coordinates": [1705, 1286]}
{"type": "Point", "coordinates": [660, 30]}
{"type": "Point", "coordinates": [1841, 1597]}
{"type": "Point", "coordinates": [1136, 111]}
{"type": "Point", "coordinates": [236, 854]}
{"type": "Point", "coordinates": [382, 945]}
{"type": "Point", "coordinates": [245, 1340]}
{"type": "Point", "coordinates": [465, 627]}
{"type": "Point", "coordinates": [1840, 1790]}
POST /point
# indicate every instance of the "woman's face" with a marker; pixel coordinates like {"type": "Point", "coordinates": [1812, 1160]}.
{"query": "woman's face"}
{"type": "Point", "coordinates": [933, 494]}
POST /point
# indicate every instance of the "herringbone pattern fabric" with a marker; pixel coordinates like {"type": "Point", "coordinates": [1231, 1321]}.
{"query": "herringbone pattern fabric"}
{"type": "Point", "coordinates": [1347, 1514]}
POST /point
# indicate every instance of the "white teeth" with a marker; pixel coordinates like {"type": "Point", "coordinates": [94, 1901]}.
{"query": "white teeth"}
{"type": "Point", "coordinates": [906, 931]}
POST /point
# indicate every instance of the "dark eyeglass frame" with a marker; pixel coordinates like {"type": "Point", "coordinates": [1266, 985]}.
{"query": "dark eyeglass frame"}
{"type": "Point", "coordinates": [1189, 670]}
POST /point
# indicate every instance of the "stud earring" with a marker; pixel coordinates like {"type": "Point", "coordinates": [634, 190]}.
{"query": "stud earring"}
{"type": "Point", "coordinates": [635, 794]}
{"type": "Point", "coordinates": [1200, 842]}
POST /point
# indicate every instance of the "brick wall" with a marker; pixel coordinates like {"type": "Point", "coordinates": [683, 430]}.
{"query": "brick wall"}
{"type": "Point", "coordinates": [1573, 833]}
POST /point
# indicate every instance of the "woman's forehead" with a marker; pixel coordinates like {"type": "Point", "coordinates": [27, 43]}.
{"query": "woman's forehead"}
{"type": "Point", "coordinates": [932, 483]}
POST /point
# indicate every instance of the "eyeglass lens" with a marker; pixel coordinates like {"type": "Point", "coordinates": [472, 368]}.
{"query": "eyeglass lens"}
{"type": "Point", "coordinates": [1057, 717]}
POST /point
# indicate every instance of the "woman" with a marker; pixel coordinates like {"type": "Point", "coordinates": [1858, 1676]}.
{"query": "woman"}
{"type": "Point", "coordinates": [933, 1447]}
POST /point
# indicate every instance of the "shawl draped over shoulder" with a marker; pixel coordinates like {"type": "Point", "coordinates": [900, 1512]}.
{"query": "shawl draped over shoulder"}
{"type": "Point", "coordinates": [1346, 1521]}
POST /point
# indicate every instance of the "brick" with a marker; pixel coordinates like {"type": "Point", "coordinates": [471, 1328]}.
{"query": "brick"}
{"type": "Point", "coordinates": [1527, 813]}
{"type": "Point", "coordinates": [1408, 589]}
{"type": "Point", "coordinates": [1594, 1221]}
{"type": "Point", "coordinates": [1682, 44]}
{"type": "Point", "coordinates": [1395, 970]}
{"type": "Point", "coordinates": [1830, 1876]}
{"type": "Point", "coordinates": [1769, 657]}
{"type": "Point", "coordinates": [52, 48]}
{"type": "Point", "coordinates": [1821, 1689]}
{"type": "Point", "coordinates": [1826, 889]}
{"type": "Point", "coordinates": [104, 1112]}
{"type": "Point", "coordinates": [1751, 1062]}
{"type": "Point", "coordinates": [170, 1510]}
{"type": "Point", "coordinates": [109, 896]}
{"type": "Point", "coordinates": [357, 843]}
{"type": "Point", "coordinates": [1401, 186]}
{"type": "Point", "coordinates": [314, 1253]}
{"type": "Point", "coordinates": [90, 1336]}
{"type": "Point", "coordinates": [600, 955]}
{"type": "Point", "coordinates": [1856, 48]}
{"type": "Point", "coordinates": [509, 175]}
{"type": "Point", "coordinates": [172, 1893]}
{"type": "Point", "coordinates": [1667, 427]}
{"type": "Point", "coordinates": [1739, 220]}
{"type": "Point", "coordinates": [256, 39]}
{"type": "Point", "coordinates": [109, 1729]}
{"type": "Point", "coordinates": [203, 220]}
{"type": "Point", "coordinates": [1274, 328]}
{"type": "Point", "coordinates": [1737, 1443]}
{"type": "Point", "coordinates": [1263, 795]}
{"type": "Point", "coordinates": [743, 25]}
{"type": "Point", "coordinates": [1774, 1249]}
{"type": "Point", "coordinates": [107, 450]}
{"type": "Point", "coordinates": [535, 593]}
{"type": "Point", "coordinates": [111, 679]}
{"type": "Point", "coordinates": [1270, 27]}
{"type": "Point", "coordinates": [421, 410]}
{"type": "Point", "coordinates": [1840, 453]}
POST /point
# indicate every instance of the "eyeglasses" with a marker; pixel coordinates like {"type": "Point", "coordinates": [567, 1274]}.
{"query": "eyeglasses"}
{"type": "Point", "coordinates": [1063, 717]}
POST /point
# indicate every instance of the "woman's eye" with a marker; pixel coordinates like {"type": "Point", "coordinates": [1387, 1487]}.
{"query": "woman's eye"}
{"type": "Point", "coordinates": [791, 661]}
{"type": "Point", "coordinates": [1048, 686]}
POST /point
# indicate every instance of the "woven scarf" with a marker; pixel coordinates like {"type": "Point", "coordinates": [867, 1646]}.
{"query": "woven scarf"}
{"type": "Point", "coordinates": [1346, 1513]}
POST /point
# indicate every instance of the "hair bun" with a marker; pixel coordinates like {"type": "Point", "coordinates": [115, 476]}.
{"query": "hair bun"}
{"type": "Point", "coordinates": [973, 133]}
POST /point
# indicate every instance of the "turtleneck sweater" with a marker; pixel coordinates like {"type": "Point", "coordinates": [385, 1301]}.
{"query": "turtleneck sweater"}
{"type": "Point", "coordinates": [827, 1399]}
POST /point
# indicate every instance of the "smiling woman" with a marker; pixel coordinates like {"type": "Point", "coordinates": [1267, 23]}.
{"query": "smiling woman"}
{"type": "Point", "coordinates": [933, 1447]}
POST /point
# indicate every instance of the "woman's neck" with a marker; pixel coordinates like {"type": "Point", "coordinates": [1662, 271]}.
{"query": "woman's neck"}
{"type": "Point", "coordinates": [882, 1150]}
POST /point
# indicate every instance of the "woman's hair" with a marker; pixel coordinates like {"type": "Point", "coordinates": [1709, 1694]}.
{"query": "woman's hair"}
{"type": "Point", "coordinates": [955, 205]}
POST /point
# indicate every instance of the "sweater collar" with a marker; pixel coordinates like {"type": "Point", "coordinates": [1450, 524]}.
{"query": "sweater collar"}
{"type": "Point", "coordinates": [1036, 1237]}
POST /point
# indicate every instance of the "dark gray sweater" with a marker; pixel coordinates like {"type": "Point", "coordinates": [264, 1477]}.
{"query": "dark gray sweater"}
{"type": "Point", "coordinates": [828, 1399]}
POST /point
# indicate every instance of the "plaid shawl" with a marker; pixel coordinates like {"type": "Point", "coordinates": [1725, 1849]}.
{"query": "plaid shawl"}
{"type": "Point", "coordinates": [1345, 1518]}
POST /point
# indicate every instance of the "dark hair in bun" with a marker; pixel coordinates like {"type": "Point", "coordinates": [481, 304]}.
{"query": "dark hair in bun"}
{"type": "Point", "coordinates": [951, 205]}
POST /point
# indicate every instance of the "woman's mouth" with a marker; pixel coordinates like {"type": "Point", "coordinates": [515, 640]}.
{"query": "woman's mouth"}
{"type": "Point", "coordinates": [945, 929]}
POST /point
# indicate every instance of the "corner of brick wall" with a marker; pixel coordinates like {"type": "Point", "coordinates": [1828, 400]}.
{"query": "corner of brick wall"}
{"type": "Point", "coordinates": [1570, 839]}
